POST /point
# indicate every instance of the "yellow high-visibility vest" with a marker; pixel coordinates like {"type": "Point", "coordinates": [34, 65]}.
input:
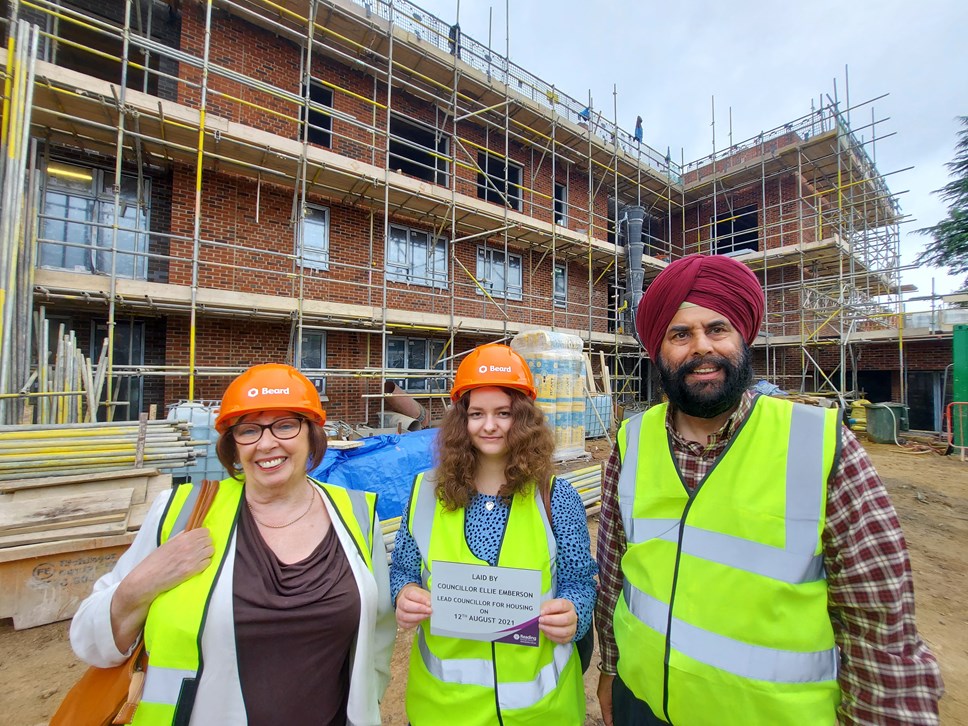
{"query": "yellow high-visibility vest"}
{"type": "Point", "coordinates": [476, 683]}
{"type": "Point", "coordinates": [173, 630]}
{"type": "Point", "coordinates": [723, 616]}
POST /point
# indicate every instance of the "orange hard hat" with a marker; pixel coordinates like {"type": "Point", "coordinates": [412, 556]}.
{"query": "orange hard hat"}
{"type": "Point", "coordinates": [493, 364]}
{"type": "Point", "coordinates": [269, 387]}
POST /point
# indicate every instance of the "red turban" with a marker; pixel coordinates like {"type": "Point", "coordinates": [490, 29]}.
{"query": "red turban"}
{"type": "Point", "coordinates": [716, 282]}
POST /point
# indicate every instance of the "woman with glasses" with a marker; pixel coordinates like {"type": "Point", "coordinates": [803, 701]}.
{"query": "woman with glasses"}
{"type": "Point", "coordinates": [277, 609]}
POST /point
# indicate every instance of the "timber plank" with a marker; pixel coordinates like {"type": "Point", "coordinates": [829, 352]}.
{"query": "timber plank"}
{"type": "Point", "coordinates": [105, 529]}
{"type": "Point", "coordinates": [48, 585]}
{"type": "Point", "coordinates": [53, 512]}
{"type": "Point", "coordinates": [138, 485]}
{"type": "Point", "coordinates": [47, 481]}
{"type": "Point", "coordinates": [50, 549]}
{"type": "Point", "coordinates": [156, 485]}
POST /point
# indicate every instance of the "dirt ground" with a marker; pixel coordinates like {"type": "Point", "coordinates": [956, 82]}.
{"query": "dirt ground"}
{"type": "Point", "coordinates": [931, 496]}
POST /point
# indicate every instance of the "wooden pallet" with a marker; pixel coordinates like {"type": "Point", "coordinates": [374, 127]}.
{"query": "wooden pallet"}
{"type": "Point", "coordinates": [46, 582]}
{"type": "Point", "coordinates": [59, 534]}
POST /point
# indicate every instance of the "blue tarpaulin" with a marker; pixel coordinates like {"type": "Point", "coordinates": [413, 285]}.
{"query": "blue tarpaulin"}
{"type": "Point", "coordinates": [386, 465]}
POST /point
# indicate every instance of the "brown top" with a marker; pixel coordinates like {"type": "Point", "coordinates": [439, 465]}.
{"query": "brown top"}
{"type": "Point", "coordinates": [294, 627]}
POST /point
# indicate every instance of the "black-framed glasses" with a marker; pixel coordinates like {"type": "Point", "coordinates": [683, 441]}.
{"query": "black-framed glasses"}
{"type": "Point", "coordinates": [281, 428]}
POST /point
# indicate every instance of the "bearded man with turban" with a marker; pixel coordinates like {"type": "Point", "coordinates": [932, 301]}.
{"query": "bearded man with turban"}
{"type": "Point", "coordinates": [752, 568]}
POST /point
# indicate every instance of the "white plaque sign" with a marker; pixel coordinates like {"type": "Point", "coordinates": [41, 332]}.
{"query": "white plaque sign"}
{"type": "Point", "coordinates": [478, 602]}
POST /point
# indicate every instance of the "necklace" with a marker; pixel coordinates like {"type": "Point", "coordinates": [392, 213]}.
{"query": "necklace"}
{"type": "Point", "coordinates": [312, 498]}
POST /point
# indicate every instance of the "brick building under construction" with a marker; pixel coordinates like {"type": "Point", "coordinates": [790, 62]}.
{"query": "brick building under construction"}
{"type": "Point", "coordinates": [356, 187]}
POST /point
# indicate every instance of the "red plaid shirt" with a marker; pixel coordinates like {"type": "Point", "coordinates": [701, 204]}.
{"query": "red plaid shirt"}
{"type": "Point", "coordinates": [887, 673]}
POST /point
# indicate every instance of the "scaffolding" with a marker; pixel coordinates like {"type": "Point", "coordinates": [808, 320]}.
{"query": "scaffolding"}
{"type": "Point", "coordinates": [429, 144]}
{"type": "Point", "coordinates": [804, 206]}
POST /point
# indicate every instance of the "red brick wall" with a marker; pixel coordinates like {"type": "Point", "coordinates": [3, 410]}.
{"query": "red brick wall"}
{"type": "Point", "coordinates": [784, 208]}
{"type": "Point", "coordinates": [740, 157]}
{"type": "Point", "coordinates": [919, 355]}
{"type": "Point", "coordinates": [243, 253]}
{"type": "Point", "coordinates": [228, 204]}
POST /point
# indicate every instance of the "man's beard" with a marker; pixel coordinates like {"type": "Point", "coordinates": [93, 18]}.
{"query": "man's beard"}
{"type": "Point", "coordinates": [707, 400]}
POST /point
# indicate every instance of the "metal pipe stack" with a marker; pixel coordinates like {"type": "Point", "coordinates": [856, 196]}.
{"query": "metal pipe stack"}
{"type": "Point", "coordinates": [38, 451]}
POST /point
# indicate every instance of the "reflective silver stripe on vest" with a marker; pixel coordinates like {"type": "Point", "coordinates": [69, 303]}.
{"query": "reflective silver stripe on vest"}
{"type": "Point", "coordinates": [181, 521]}
{"type": "Point", "coordinates": [804, 499]}
{"type": "Point", "coordinates": [362, 513]}
{"type": "Point", "coordinates": [552, 542]}
{"type": "Point", "coordinates": [423, 516]}
{"type": "Point", "coordinates": [733, 656]}
{"type": "Point", "coordinates": [735, 552]}
{"type": "Point", "coordinates": [626, 476]}
{"type": "Point", "coordinates": [796, 563]}
{"type": "Point", "coordinates": [480, 672]}
{"type": "Point", "coordinates": [162, 685]}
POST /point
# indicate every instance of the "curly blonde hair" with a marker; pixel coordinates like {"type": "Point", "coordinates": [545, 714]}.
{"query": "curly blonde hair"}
{"type": "Point", "coordinates": [530, 445]}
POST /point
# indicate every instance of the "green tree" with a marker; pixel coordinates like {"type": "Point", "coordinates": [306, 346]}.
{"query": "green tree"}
{"type": "Point", "coordinates": [949, 237]}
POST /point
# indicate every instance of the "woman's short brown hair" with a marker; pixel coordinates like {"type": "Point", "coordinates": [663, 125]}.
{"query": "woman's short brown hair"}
{"type": "Point", "coordinates": [530, 446]}
{"type": "Point", "coordinates": [228, 451]}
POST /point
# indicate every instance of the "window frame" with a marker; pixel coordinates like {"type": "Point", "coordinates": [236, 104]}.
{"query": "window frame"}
{"type": "Point", "coordinates": [96, 227]}
{"type": "Point", "coordinates": [314, 258]}
{"type": "Point", "coordinates": [423, 162]}
{"type": "Point", "coordinates": [406, 272]}
{"type": "Point", "coordinates": [728, 239]}
{"type": "Point", "coordinates": [560, 207]}
{"type": "Point", "coordinates": [484, 267]}
{"type": "Point", "coordinates": [560, 301]}
{"type": "Point", "coordinates": [433, 349]}
{"type": "Point", "coordinates": [315, 374]}
{"type": "Point", "coordinates": [320, 129]}
{"type": "Point", "coordinates": [129, 342]}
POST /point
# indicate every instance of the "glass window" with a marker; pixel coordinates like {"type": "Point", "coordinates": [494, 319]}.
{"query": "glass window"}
{"type": "Point", "coordinates": [416, 258]}
{"type": "Point", "coordinates": [561, 285]}
{"type": "Point", "coordinates": [561, 204]}
{"type": "Point", "coordinates": [312, 359]}
{"type": "Point", "coordinates": [418, 150]}
{"type": "Point", "coordinates": [418, 355]}
{"type": "Point", "coordinates": [737, 231]}
{"type": "Point", "coordinates": [77, 222]}
{"type": "Point", "coordinates": [314, 253]}
{"type": "Point", "coordinates": [500, 274]}
{"type": "Point", "coordinates": [129, 350]}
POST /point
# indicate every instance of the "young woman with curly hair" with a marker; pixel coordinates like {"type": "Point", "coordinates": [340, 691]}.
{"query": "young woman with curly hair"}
{"type": "Point", "coordinates": [492, 500]}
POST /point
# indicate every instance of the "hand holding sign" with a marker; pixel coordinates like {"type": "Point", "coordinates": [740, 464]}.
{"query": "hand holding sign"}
{"type": "Point", "coordinates": [558, 621]}
{"type": "Point", "coordinates": [413, 606]}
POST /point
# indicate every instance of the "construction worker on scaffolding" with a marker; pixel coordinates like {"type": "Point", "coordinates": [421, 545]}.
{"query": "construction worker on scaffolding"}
{"type": "Point", "coordinates": [752, 567]}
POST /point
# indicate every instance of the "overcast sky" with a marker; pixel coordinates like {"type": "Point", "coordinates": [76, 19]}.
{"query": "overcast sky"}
{"type": "Point", "coordinates": [765, 61]}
